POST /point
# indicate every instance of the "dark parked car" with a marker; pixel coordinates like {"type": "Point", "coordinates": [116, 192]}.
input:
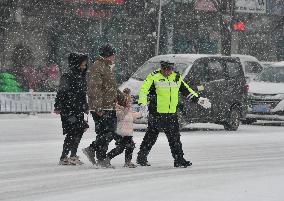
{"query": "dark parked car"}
{"type": "Point", "coordinates": [219, 78]}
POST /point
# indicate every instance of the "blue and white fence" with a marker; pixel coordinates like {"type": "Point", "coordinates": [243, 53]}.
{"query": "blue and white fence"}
{"type": "Point", "coordinates": [27, 102]}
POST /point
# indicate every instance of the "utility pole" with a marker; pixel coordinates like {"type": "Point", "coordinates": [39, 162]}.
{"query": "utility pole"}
{"type": "Point", "coordinates": [225, 25]}
{"type": "Point", "coordinates": [169, 21]}
{"type": "Point", "coordinates": [235, 34]}
{"type": "Point", "coordinates": [159, 28]}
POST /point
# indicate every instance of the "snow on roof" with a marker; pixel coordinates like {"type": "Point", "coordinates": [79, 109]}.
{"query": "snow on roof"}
{"type": "Point", "coordinates": [245, 57]}
{"type": "Point", "coordinates": [181, 58]}
{"type": "Point", "coordinates": [278, 64]}
{"type": "Point", "coordinates": [177, 57]}
{"type": "Point", "coordinates": [267, 63]}
{"type": "Point", "coordinates": [189, 58]}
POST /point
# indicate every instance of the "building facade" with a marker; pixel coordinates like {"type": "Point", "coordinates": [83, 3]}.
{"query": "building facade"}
{"type": "Point", "coordinates": [38, 33]}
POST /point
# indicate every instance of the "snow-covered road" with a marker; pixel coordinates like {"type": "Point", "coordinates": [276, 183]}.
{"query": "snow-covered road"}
{"type": "Point", "coordinates": [246, 165]}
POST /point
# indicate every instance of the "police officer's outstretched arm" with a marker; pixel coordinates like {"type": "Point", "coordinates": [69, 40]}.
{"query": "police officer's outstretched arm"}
{"type": "Point", "coordinates": [193, 96]}
{"type": "Point", "coordinates": [188, 92]}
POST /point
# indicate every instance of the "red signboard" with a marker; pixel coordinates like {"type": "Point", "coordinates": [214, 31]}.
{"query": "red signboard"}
{"type": "Point", "coordinates": [88, 13]}
{"type": "Point", "coordinates": [204, 5]}
{"type": "Point", "coordinates": [109, 2]}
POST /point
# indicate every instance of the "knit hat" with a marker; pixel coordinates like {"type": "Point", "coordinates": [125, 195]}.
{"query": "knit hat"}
{"type": "Point", "coordinates": [107, 50]}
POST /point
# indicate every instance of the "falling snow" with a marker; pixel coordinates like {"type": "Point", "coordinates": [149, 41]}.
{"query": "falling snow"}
{"type": "Point", "coordinates": [36, 37]}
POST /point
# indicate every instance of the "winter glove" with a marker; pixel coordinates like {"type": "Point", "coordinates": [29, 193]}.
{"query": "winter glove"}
{"type": "Point", "coordinates": [72, 119]}
{"type": "Point", "coordinates": [86, 109]}
{"type": "Point", "coordinates": [204, 102]}
{"type": "Point", "coordinates": [100, 113]}
{"type": "Point", "coordinates": [143, 110]}
{"type": "Point", "coordinates": [57, 111]}
{"type": "Point", "coordinates": [85, 125]}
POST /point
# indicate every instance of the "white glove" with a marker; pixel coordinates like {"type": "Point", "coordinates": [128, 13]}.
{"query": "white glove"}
{"type": "Point", "coordinates": [144, 111]}
{"type": "Point", "coordinates": [204, 102]}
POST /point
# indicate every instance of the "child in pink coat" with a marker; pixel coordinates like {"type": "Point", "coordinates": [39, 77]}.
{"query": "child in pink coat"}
{"type": "Point", "coordinates": [125, 117]}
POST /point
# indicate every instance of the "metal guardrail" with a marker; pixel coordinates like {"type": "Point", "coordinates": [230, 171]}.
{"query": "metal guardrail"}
{"type": "Point", "coordinates": [27, 102]}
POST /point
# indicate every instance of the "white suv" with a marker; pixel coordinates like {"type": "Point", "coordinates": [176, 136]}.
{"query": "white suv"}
{"type": "Point", "coordinates": [266, 95]}
{"type": "Point", "coordinates": [252, 67]}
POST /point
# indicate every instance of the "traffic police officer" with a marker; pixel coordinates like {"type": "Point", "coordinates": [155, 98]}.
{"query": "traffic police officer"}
{"type": "Point", "coordinates": [162, 88]}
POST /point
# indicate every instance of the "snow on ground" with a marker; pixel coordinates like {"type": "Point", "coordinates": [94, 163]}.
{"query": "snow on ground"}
{"type": "Point", "coordinates": [246, 165]}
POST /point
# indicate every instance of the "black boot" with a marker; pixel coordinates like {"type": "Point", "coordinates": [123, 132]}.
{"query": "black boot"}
{"type": "Point", "coordinates": [142, 159]}
{"type": "Point", "coordinates": [142, 162]}
{"type": "Point", "coordinates": [182, 163]}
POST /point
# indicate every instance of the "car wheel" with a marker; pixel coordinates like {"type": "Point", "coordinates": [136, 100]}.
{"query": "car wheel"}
{"type": "Point", "coordinates": [233, 121]}
{"type": "Point", "coordinates": [249, 121]}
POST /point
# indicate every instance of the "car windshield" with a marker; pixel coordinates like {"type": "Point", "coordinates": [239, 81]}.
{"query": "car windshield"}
{"type": "Point", "coordinates": [272, 74]}
{"type": "Point", "coordinates": [149, 67]}
{"type": "Point", "coordinates": [252, 67]}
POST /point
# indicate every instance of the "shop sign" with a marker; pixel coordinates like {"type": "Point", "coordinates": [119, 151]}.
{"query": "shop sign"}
{"type": "Point", "coordinates": [275, 7]}
{"type": "Point", "coordinates": [250, 6]}
{"type": "Point", "coordinates": [110, 2]}
{"type": "Point", "coordinates": [204, 5]}
{"type": "Point", "coordinates": [88, 13]}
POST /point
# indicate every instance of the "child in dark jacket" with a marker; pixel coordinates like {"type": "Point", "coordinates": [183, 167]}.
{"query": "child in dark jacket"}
{"type": "Point", "coordinates": [71, 104]}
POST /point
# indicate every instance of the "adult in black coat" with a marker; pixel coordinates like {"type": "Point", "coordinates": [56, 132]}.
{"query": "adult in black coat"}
{"type": "Point", "coordinates": [71, 104]}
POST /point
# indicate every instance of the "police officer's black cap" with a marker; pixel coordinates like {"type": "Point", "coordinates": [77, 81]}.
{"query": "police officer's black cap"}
{"type": "Point", "coordinates": [107, 50]}
{"type": "Point", "coordinates": [166, 64]}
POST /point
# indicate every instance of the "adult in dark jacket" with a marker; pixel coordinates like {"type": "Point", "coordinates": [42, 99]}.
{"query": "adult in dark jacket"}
{"type": "Point", "coordinates": [103, 94]}
{"type": "Point", "coordinates": [71, 104]}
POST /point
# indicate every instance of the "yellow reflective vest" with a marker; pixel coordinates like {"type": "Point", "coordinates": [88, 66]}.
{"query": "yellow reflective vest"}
{"type": "Point", "coordinates": [166, 90]}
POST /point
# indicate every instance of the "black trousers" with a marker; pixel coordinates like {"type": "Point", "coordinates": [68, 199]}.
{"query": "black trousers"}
{"type": "Point", "coordinates": [123, 143]}
{"type": "Point", "coordinates": [162, 122]}
{"type": "Point", "coordinates": [105, 127]}
{"type": "Point", "coordinates": [71, 142]}
{"type": "Point", "coordinates": [73, 129]}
